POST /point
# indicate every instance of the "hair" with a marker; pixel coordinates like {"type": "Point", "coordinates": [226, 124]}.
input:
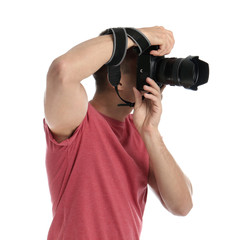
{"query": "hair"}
{"type": "Point", "coordinates": [101, 74]}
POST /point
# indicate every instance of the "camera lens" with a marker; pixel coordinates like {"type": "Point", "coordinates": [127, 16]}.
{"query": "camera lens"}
{"type": "Point", "coordinates": [189, 72]}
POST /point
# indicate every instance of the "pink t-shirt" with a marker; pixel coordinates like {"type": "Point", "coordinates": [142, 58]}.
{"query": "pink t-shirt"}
{"type": "Point", "coordinates": [97, 180]}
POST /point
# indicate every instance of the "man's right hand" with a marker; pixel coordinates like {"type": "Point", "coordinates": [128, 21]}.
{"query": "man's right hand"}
{"type": "Point", "coordinates": [158, 35]}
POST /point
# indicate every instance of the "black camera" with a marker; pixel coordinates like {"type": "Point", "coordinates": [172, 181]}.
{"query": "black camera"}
{"type": "Point", "coordinates": [189, 72]}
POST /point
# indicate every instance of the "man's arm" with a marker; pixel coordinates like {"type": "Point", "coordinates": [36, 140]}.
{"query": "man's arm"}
{"type": "Point", "coordinates": [65, 100]}
{"type": "Point", "coordinates": [87, 57]}
{"type": "Point", "coordinates": [170, 183]}
{"type": "Point", "coordinates": [173, 186]}
{"type": "Point", "coordinates": [84, 59]}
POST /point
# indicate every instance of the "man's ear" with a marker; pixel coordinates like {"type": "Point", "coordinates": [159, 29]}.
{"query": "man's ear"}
{"type": "Point", "coordinates": [120, 86]}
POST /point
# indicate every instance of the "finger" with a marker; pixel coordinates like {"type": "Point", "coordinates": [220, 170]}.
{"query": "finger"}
{"type": "Point", "coordinates": [138, 98]}
{"type": "Point", "coordinates": [160, 52]}
{"type": "Point", "coordinates": [152, 91]}
{"type": "Point", "coordinates": [156, 101]}
{"type": "Point", "coordinates": [169, 45]}
{"type": "Point", "coordinates": [169, 49]}
{"type": "Point", "coordinates": [152, 83]}
{"type": "Point", "coordinates": [153, 52]}
{"type": "Point", "coordinates": [156, 52]}
{"type": "Point", "coordinates": [164, 49]}
{"type": "Point", "coordinates": [171, 37]}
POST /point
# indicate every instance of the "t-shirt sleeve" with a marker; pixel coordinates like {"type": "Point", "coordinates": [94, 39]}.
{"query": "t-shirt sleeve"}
{"type": "Point", "coordinates": [59, 159]}
{"type": "Point", "coordinates": [50, 140]}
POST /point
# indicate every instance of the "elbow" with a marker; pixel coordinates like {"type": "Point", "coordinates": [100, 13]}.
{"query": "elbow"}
{"type": "Point", "coordinates": [57, 70]}
{"type": "Point", "coordinates": [183, 209]}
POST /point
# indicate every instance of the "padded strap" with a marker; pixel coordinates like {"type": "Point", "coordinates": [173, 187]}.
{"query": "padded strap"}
{"type": "Point", "coordinates": [140, 39]}
{"type": "Point", "coordinates": [114, 75]}
{"type": "Point", "coordinates": [120, 41]}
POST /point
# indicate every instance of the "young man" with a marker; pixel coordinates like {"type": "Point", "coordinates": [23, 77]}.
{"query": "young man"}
{"type": "Point", "coordinates": [99, 157]}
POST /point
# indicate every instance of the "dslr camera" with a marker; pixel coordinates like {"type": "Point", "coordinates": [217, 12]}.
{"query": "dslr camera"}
{"type": "Point", "coordinates": [189, 72]}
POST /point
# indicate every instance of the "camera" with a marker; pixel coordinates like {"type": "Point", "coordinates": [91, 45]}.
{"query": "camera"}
{"type": "Point", "coordinates": [189, 72]}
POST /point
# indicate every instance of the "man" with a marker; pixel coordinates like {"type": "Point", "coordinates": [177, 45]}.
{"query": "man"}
{"type": "Point", "coordinates": [99, 157]}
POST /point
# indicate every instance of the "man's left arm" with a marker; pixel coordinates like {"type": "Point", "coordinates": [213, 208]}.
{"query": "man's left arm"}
{"type": "Point", "coordinates": [174, 187]}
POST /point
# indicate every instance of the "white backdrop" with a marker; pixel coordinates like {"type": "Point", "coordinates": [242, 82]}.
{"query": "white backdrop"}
{"type": "Point", "coordinates": [204, 130]}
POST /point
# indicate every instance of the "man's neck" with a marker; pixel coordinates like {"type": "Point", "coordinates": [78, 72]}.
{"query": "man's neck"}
{"type": "Point", "coordinates": [107, 105]}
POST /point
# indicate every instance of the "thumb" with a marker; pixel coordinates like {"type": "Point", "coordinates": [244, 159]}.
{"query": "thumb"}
{"type": "Point", "coordinates": [138, 98]}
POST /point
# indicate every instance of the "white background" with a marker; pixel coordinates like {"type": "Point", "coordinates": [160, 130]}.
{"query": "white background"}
{"type": "Point", "coordinates": [204, 130]}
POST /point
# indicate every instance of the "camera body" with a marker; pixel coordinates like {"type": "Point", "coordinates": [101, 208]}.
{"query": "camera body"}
{"type": "Point", "coordinates": [189, 72]}
{"type": "Point", "coordinates": [147, 67]}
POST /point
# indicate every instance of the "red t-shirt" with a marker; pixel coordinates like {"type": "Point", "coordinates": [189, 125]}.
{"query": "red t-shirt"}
{"type": "Point", "coordinates": [97, 180]}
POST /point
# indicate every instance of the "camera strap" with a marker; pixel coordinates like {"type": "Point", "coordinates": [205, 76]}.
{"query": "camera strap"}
{"type": "Point", "coordinates": [120, 44]}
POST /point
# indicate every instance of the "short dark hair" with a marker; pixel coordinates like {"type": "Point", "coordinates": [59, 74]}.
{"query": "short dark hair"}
{"type": "Point", "coordinates": [101, 74]}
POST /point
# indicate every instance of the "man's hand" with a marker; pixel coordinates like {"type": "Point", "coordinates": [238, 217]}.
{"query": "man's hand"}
{"type": "Point", "coordinates": [158, 35]}
{"type": "Point", "coordinates": [147, 112]}
{"type": "Point", "coordinates": [174, 187]}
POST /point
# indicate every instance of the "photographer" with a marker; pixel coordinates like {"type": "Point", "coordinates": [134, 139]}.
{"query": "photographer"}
{"type": "Point", "coordinates": [99, 157]}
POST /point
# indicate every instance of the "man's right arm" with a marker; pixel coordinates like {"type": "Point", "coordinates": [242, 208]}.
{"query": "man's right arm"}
{"type": "Point", "coordinates": [65, 100]}
{"type": "Point", "coordinates": [87, 57]}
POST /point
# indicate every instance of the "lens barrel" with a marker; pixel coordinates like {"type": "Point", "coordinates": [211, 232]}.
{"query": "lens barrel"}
{"type": "Point", "coordinates": [189, 72]}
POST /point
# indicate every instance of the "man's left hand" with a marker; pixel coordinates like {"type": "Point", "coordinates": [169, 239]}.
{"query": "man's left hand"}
{"type": "Point", "coordinates": [147, 112]}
